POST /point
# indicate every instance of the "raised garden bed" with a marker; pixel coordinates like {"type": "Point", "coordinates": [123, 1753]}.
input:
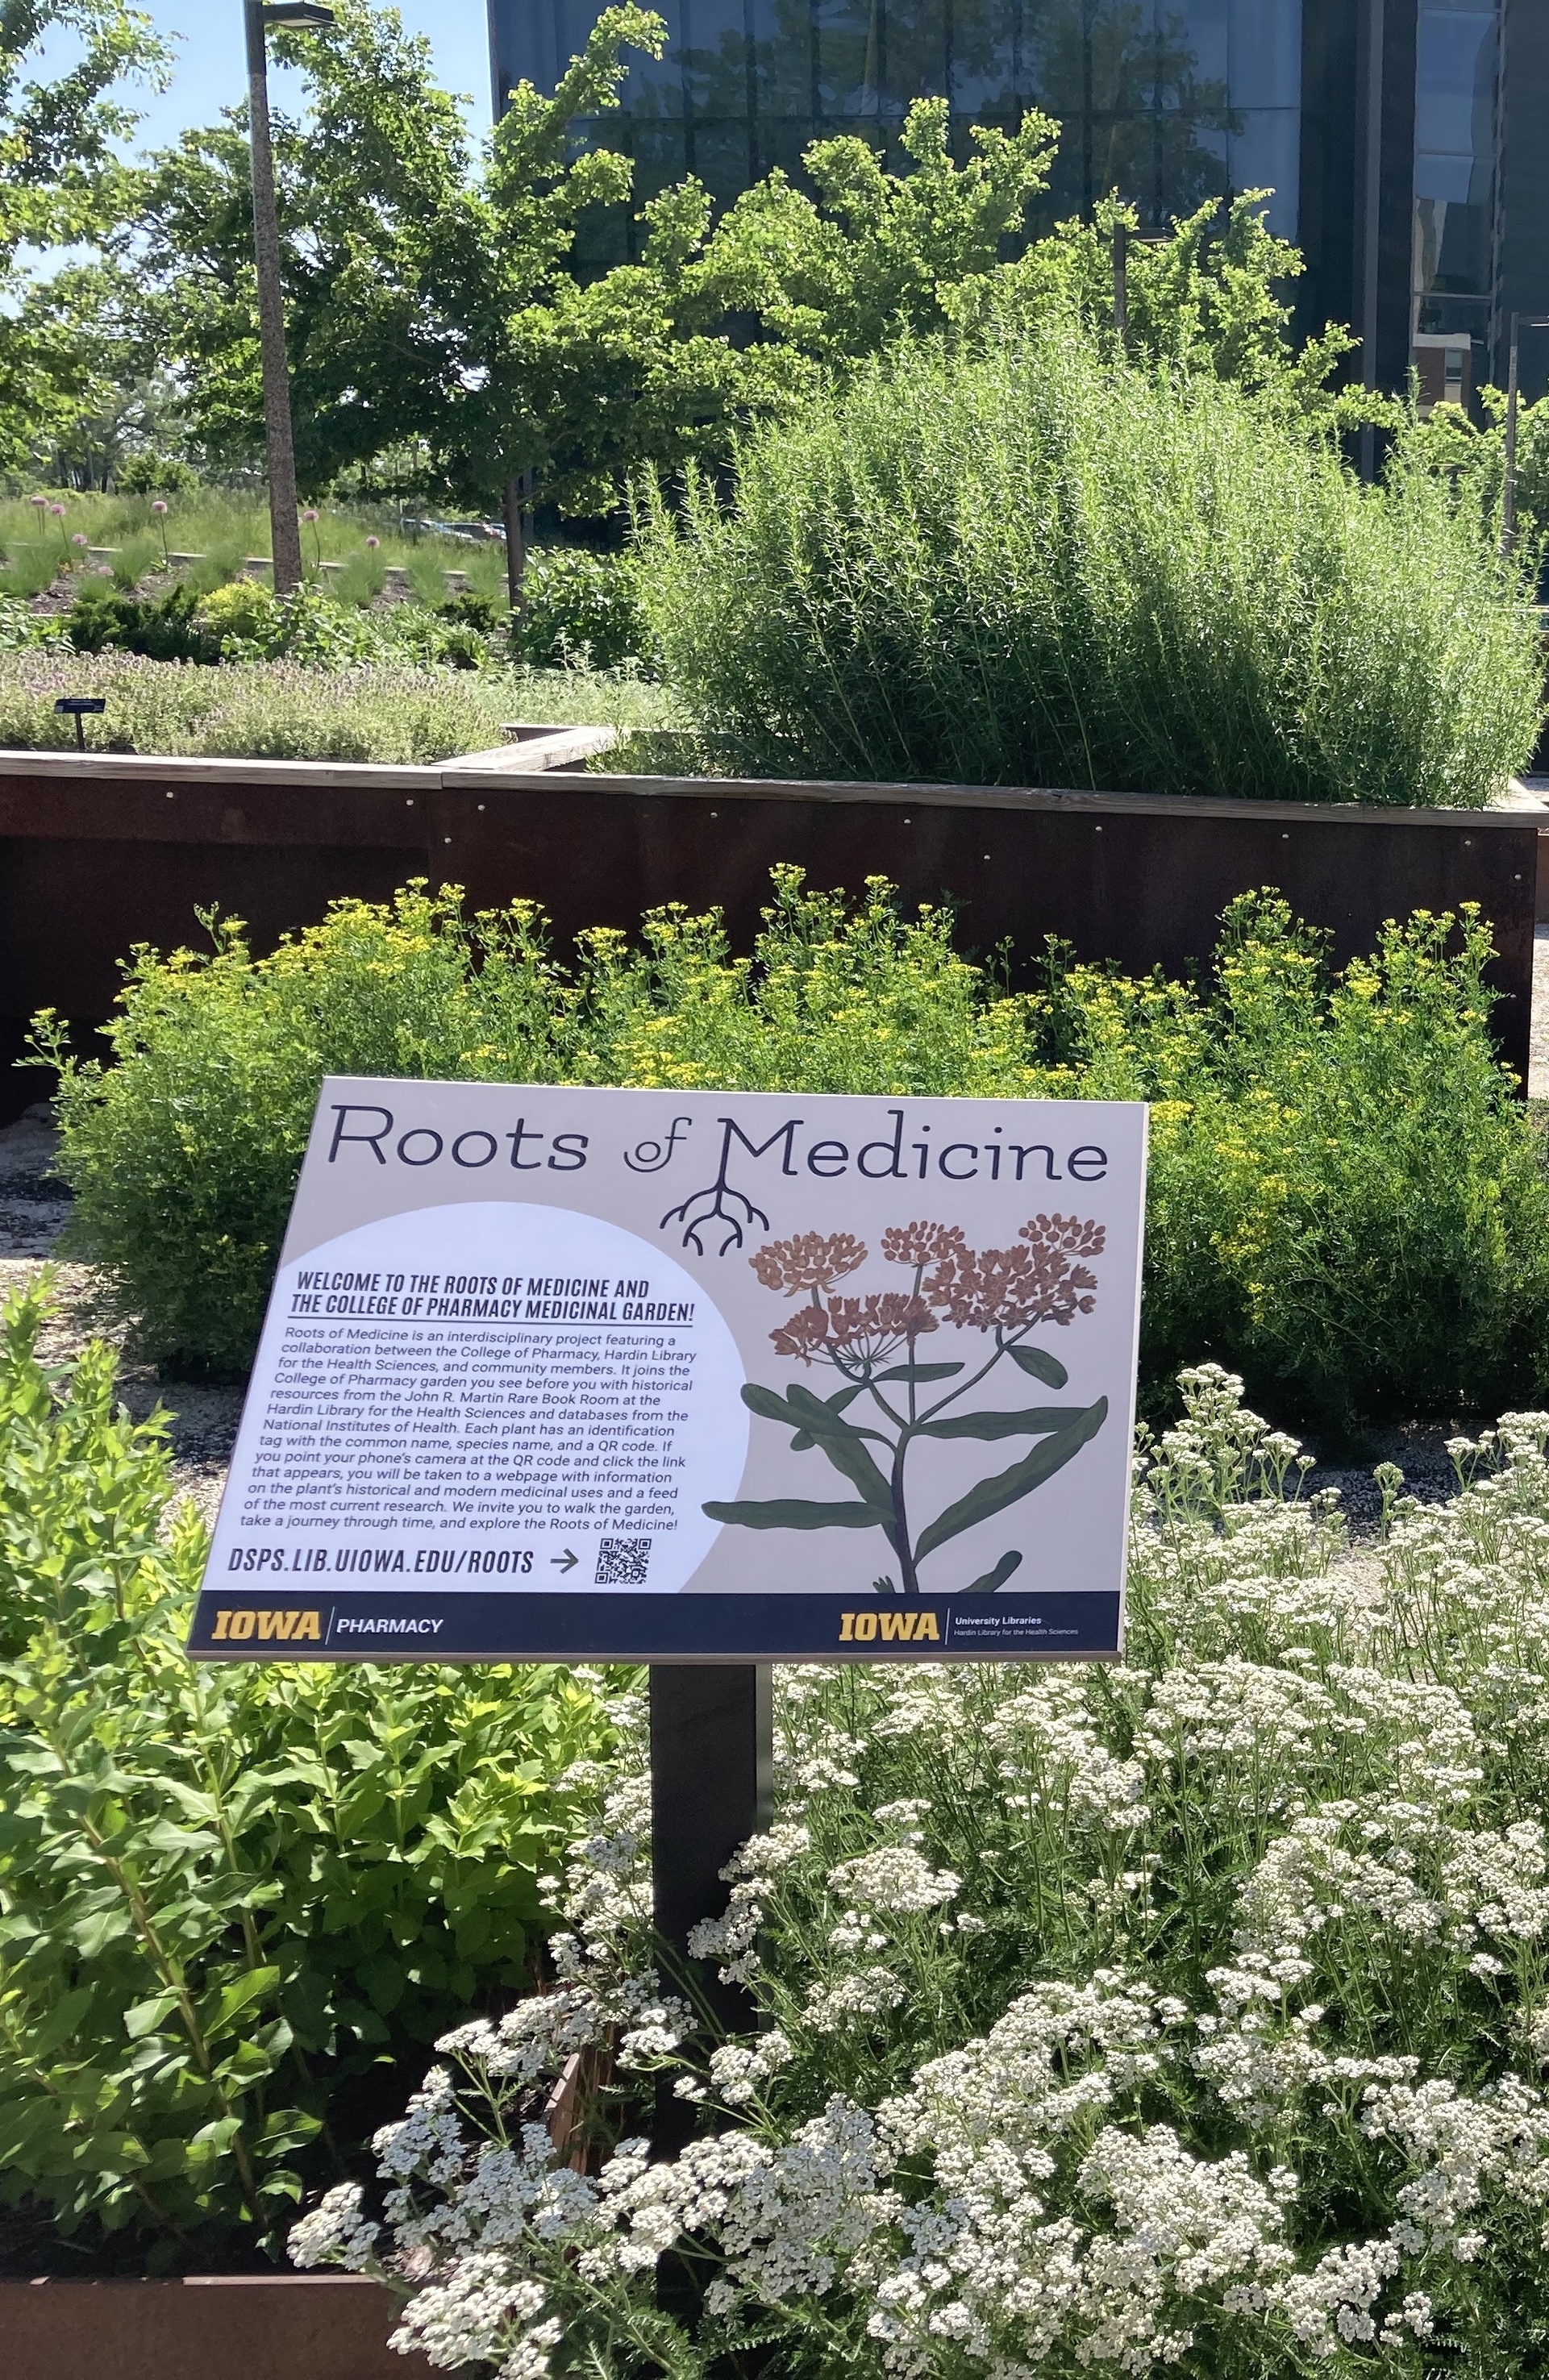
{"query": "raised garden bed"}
{"type": "Point", "coordinates": [279, 2326]}
{"type": "Point", "coordinates": [101, 852]}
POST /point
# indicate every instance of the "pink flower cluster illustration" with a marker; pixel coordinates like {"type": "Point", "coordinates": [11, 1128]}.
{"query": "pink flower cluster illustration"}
{"type": "Point", "coordinates": [1045, 1279]}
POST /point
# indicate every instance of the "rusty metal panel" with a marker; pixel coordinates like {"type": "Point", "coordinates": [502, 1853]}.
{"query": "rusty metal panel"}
{"type": "Point", "coordinates": [1140, 882]}
{"type": "Point", "coordinates": [95, 859]}
{"type": "Point", "coordinates": [164, 807]}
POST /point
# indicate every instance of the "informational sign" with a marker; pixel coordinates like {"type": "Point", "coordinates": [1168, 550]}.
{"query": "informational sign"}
{"type": "Point", "coordinates": [582, 1374]}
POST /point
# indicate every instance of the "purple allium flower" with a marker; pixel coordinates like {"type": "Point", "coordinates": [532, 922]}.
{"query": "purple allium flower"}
{"type": "Point", "coordinates": [80, 538]}
{"type": "Point", "coordinates": [372, 544]}
{"type": "Point", "coordinates": [159, 505]}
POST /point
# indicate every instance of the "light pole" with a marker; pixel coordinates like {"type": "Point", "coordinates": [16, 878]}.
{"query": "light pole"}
{"type": "Point", "coordinates": [285, 526]}
{"type": "Point", "coordinates": [1520, 322]}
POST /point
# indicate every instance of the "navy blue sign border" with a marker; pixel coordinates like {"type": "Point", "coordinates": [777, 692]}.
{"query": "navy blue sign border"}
{"type": "Point", "coordinates": [233, 1623]}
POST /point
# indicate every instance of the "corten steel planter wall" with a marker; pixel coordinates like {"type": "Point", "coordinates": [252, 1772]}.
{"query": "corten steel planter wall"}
{"type": "Point", "coordinates": [99, 852]}
{"type": "Point", "coordinates": [286, 2327]}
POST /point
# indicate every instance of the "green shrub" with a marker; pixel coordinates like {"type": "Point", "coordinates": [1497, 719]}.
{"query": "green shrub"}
{"type": "Point", "coordinates": [244, 608]}
{"type": "Point", "coordinates": [1031, 567]}
{"type": "Point", "coordinates": [1347, 1203]}
{"type": "Point", "coordinates": [582, 607]}
{"type": "Point", "coordinates": [234, 1902]}
{"type": "Point", "coordinates": [156, 475]}
{"type": "Point", "coordinates": [160, 628]}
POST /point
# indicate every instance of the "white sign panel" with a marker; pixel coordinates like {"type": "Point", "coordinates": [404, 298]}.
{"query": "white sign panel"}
{"type": "Point", "coordinates": [633, 1375]}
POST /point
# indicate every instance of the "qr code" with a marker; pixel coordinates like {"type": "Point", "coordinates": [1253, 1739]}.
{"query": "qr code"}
{"type": "Point", "coordinates": [623, 1562]}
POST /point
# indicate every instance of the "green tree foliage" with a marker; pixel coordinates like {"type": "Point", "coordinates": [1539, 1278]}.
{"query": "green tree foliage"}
{"type": "Point", "coordinates": [61, 181]}
{"type": "Point", "coordinates": [233, 1901]}
{"type": "Point", "coordinates": [1347, 1202]}
{"type": "Point", "coordinates": [1469, 457]}
{"type": "Point", "coordinates": [434, 309]}
{"type": "Point", "coordinates": [1032, 564]}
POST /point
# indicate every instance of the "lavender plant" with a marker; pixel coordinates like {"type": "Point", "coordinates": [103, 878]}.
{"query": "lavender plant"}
{"type": "Point", "coordinates": [1190, 2015]}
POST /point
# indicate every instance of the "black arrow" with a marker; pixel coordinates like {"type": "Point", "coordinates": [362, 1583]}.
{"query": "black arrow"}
{"type": "Point", "coordinates": [566, 1560]}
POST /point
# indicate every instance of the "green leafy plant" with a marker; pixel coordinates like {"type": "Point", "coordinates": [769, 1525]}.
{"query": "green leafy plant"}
{"type": "Point", "coordinates": [1007, 1290]}
{"type": "Point", "coordinates": [155, 475]}
{"type": "Point", "coordinates": [232, 1900]}
{"type": "Point", "coordinates": [1040, 564]}
{"type": "Point", "coordinates": [164, 629]}
{"type": "Point", "coordinates": [1347, 1200]}
{"type": "Point", "coordinates": [579, 606]}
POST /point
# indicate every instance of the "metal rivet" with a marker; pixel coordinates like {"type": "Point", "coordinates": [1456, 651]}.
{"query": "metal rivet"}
{"type": "Point", "coordinates": [481, 805]}
{"type": "Point", "coordinates": [1284, 838]}
{"type": "Point", "coordinates": [1468, 842]}
{"type": "Point", "coordinates": [446, 838]}
{"type": "Point", "coordinates": [986, 854]}
{"type": "Point", "coordinates": [1097, 829]}
{"type": "Point", "coordinates": [714, 813]}
{"type": "Point", "coordinates": [909, 822]}
{"type": "Point", "coordinates": [409, 803]}
{"type": "Point", "coordinates": [172, 797]}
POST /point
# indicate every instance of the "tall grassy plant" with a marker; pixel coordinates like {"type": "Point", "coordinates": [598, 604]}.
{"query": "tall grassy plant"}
{"type": "Point", "coordinates": [1036, 566]}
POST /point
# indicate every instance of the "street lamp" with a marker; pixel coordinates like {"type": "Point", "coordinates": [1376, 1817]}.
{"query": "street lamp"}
{"type": "Point", "coordinates": [1520, 322]}
{"type": "Point", "coordinates": [285, 527]}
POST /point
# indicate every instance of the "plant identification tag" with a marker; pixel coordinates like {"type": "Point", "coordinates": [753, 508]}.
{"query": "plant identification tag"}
{"type": "Point", "coordinates": [617, 1374]}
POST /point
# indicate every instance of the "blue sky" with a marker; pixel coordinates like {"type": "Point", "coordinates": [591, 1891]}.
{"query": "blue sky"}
{"type": "Point", "coordinates": [210, 73]}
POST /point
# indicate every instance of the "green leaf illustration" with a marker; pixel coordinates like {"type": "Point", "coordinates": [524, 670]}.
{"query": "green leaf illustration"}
{"type": "Point", "coordinates": [792, 1513]}
{"type": "Point", "coordinates": [997, 1577]}
{"type": "Point", "coordinates": [804, 1440]}
{"type": "Point", "coordinates": [919, 1373]}
{"type": "Point", "coordinates": [844, 1446]}
{"type": "Point", "coordinates": [1008, 1486]}
{"type": "Point", "coordinates": [1034, 1421]}
{"type": "Point", "coordinates": [1047, 1368]}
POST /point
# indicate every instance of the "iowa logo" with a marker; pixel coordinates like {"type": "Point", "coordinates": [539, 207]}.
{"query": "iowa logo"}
{"type": "Point", "coordinates": [234, 1627]}
{"type": "Point", "coordinates": [893, 1627]}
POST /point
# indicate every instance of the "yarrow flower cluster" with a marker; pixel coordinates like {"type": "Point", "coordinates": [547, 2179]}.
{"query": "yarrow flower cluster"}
{"type": "Point", "coordinates": [1196, 2009]}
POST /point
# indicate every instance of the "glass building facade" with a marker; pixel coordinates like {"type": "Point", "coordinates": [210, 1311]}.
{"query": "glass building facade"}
{"type": "Point", "coordinates": [1400, 136]}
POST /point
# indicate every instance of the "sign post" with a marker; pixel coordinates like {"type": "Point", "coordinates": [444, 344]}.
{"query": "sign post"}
{"type": "Point", "coordinates": [704, 1379]}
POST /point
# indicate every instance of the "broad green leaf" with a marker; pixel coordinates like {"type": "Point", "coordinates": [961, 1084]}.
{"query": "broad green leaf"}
{"type": "Point", "coordinates": [918, 1373]}
{"type": "Point", "coordinates": [994, 1495]}
{"type": "Point", "coordinates": [1035, 1421]}
{"type": "Point", "coordinates": [790, 1512]}
{"type": "Point", "coordinates": [845, 1448]}
{"type": "Point", "coordinates": [147, 2015]}
{"type": "Point", "coordinates": [998, 1577]}
{"type": "Point", "coordinates": [233, 1997]}
{"type": "Point", "coordinates": [1047, 1368]}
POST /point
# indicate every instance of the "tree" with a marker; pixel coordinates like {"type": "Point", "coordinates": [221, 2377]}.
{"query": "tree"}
{"type": "Point", "coordinates": [434, 309]}
{"type": "Point", "coordinates": [61, 182]}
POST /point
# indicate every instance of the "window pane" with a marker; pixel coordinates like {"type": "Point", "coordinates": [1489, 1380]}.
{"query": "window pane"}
{"type": "Point", "coordinates": [1455, 81]}
{"type": "Point", "coordinates": [1266, 154]}
{"type": "Point", "coordinates": [1265, 69]}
